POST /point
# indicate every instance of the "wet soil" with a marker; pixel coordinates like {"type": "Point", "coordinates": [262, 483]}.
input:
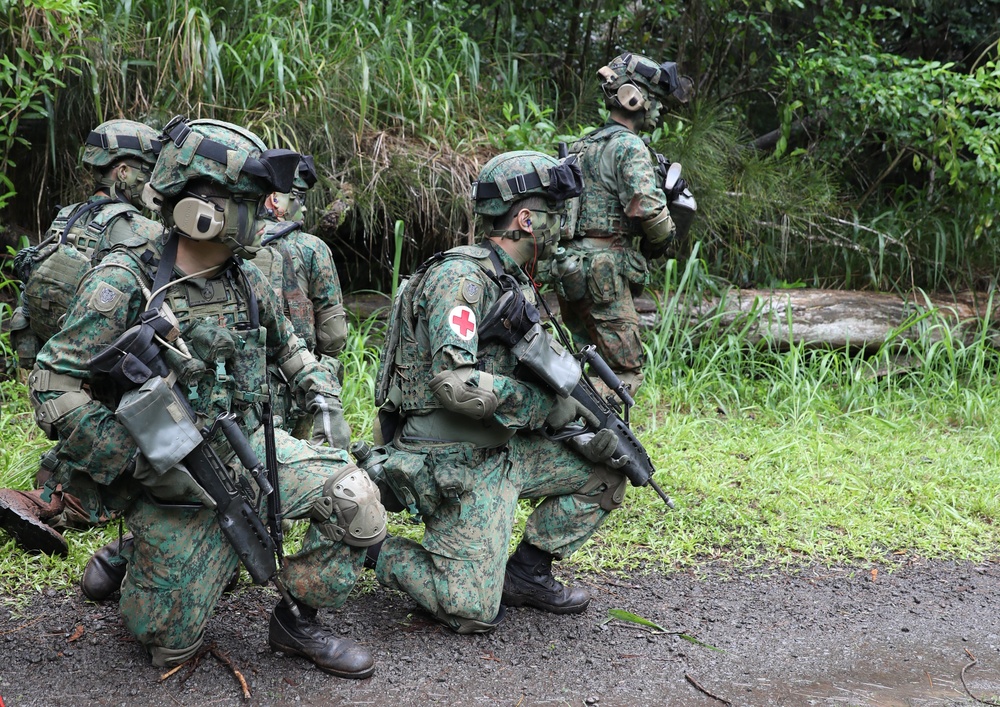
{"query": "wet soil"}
{"type": "Point", "coordinates": [812, 636]}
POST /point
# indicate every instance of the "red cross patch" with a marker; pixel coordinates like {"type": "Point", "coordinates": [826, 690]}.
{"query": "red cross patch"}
{"type": "Point", "coordinates": [462, 321]}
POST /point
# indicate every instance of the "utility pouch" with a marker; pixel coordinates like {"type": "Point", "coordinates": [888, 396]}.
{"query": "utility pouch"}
{"type": "Point", "coordinates": [548, 360]}
{"type": "Point", "coordinates": [413, 486]}
{"type": "Point", "coordinates": [55, 274]}
{"type": "Point", "coordinates": [602, 277]}
{"type": "Point", "coordinates": [158, 423]}
{"type": "Point", "coordinates": [634, 268]}
{"type": "Point", "coordinates": [452, 470]}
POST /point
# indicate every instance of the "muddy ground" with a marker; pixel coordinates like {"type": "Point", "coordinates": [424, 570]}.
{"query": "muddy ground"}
{"type": "Point", "coordinates": [815, 636]}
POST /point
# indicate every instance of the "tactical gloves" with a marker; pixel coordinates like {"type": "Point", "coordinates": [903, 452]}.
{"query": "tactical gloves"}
{"type": "Point", "coordinates": [599, 448]}
{"type": "Point", "coordinates": [329, 426]}
{"type": "Point", "coordinates": [568, 410]}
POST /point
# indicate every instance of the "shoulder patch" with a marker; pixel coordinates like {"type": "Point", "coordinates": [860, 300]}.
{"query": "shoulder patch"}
{"type": "Point", "coordinates": [462, 321]}
{"type": "Point", "coordinates": [106, 298]}
{"type": "Point", "coordinates": [472, 292]}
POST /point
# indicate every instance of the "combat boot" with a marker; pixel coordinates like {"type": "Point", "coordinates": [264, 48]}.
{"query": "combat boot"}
{"type": "Point", "coordinates": [105, 571]}
{"type": "Point", "coordinates": [529, 582]}
{"type": "Point", "coordinates": [308, 638]}
{"type": "Point", "coordinates": [23, 515]}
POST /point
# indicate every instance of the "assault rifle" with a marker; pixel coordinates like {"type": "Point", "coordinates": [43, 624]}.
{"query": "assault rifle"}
{"type": "Point", "coordinates": [162, 423]}
{"type": "Point", "coordinates": [515, 323]}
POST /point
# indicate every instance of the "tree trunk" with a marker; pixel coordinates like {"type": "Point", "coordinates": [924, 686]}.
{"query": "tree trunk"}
{"type": "Point", "coordinates": [834, 318]}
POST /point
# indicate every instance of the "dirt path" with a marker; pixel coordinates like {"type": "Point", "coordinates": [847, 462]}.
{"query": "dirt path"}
{"type": "Point", "coordinates": [815, 637]}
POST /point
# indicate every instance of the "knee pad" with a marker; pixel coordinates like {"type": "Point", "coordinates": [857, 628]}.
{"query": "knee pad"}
{"type": "Point", "coordinates": [169, 657]}
{"type": "Point", "coordinates": [350, 509]}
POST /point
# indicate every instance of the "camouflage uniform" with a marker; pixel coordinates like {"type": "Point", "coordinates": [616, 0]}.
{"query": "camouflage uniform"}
{"type": "Point", "coordinates": [313, 302]}
{"type": "Point", "coordinates": [621, 190]}
{"type": "Point", "coordinates": [179, 562]}
{"type": "Point", "coordinates": [78, 238]}
{"type": "Point", "coordinates": [466, 476]}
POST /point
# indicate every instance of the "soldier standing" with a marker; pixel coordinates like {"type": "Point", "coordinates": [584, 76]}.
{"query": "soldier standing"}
{"type": "Point", "coordinates": [216, 323]}
{"type": "Point", "coordinates": [623, 198]}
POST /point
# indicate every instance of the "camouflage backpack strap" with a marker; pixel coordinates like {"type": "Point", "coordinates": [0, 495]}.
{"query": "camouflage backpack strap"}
{"type": "Point", "coordinates": [86, 239]}
{"type": "Point", "coordinates": [602, 134]}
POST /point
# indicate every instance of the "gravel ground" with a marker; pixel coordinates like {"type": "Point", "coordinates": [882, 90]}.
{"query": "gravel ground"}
{"type": "Point", "coordinates": [814, 636]}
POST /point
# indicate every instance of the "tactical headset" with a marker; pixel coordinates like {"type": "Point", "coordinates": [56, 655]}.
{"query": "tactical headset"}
{"type": "Point", "coordinates": [628, 95]}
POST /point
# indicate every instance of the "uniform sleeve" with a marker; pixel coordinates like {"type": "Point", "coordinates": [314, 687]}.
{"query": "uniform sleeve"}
{"type": "Point", "coordinates": [270, 309]}
{"type": "Point", "coordinates": [309, 376]}
{"type": "Point", "coordinates": [93, 442]}
{"type": "Point", "coordinates": [323, 286]}
{"type": "Point", "coordinates": [640, 195]}
{"type": "Point", "coordinates": [453, 334]}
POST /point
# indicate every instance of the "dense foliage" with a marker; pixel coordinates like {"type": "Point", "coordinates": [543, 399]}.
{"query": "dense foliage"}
{"type": "Point", "coordinates": [833, 143]}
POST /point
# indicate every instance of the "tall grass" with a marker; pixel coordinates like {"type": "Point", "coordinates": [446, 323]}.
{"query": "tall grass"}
{"type": "Point", "coordinates": [402, 102]}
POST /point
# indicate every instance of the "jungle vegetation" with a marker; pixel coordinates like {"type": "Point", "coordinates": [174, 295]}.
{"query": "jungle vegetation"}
{"type": "Point", "coordinates": [838, 144]}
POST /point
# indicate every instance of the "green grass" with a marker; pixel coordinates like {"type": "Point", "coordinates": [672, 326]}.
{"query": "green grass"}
{"type": "Point", "coordinates": [772, 458]}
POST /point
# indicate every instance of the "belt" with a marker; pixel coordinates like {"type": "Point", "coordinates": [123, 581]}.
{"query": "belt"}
{"type": "Point", "coordinates": [589, 242]}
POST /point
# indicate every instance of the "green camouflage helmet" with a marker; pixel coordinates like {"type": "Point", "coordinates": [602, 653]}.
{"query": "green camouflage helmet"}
{"type": "Point", "coordinates": [512, 176]}
{"type": "Point", "coordinates": [223, 153]}
{"type": "Point", "coordinates": [116, 140]}
{"type": "Point", "coordinates": [631, 81]}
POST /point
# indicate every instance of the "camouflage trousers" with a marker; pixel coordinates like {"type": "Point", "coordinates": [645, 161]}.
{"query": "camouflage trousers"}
{"type": "Point", "coordinates": [181, 562]}
{"type": "Point", "coordinates": [606, 317]}
{"type": "Point", "coordinates": [457, 571]}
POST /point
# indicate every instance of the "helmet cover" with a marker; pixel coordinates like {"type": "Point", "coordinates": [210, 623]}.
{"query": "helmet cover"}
{"type": "Point", "coordinates": [515, 175]}
{"type": "Point", "coordinates": [116, 140]}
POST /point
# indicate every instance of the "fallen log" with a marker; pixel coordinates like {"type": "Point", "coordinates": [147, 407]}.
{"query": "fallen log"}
{"type": "Point", "coordinates": [835, 318]}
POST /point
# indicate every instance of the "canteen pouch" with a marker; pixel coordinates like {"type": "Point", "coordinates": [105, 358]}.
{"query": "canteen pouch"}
{"type": "Point", "coordinates": [158, 423]}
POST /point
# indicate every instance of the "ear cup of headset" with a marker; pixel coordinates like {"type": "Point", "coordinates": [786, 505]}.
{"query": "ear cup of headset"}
{"type": "Point", "coordinates": [198, 219]}
{"type": "Point", "coordinates": [630, 97]}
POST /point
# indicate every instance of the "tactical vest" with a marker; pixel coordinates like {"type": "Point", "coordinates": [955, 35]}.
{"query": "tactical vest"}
{"type": "Point", "coordinates": [600, 211]}
{"type": "Point", "coordinates": [221, 357]}
{"type": "Point", "coordinates": [404, 375]}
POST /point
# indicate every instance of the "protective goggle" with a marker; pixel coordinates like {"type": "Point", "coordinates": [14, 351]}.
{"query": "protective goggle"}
{"type": "Point", "coordinates": [562, 181]}
{"type": "Point", "coordinates": [307, 172]}
{"type": "Point", "coordinates": [276, 168]}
